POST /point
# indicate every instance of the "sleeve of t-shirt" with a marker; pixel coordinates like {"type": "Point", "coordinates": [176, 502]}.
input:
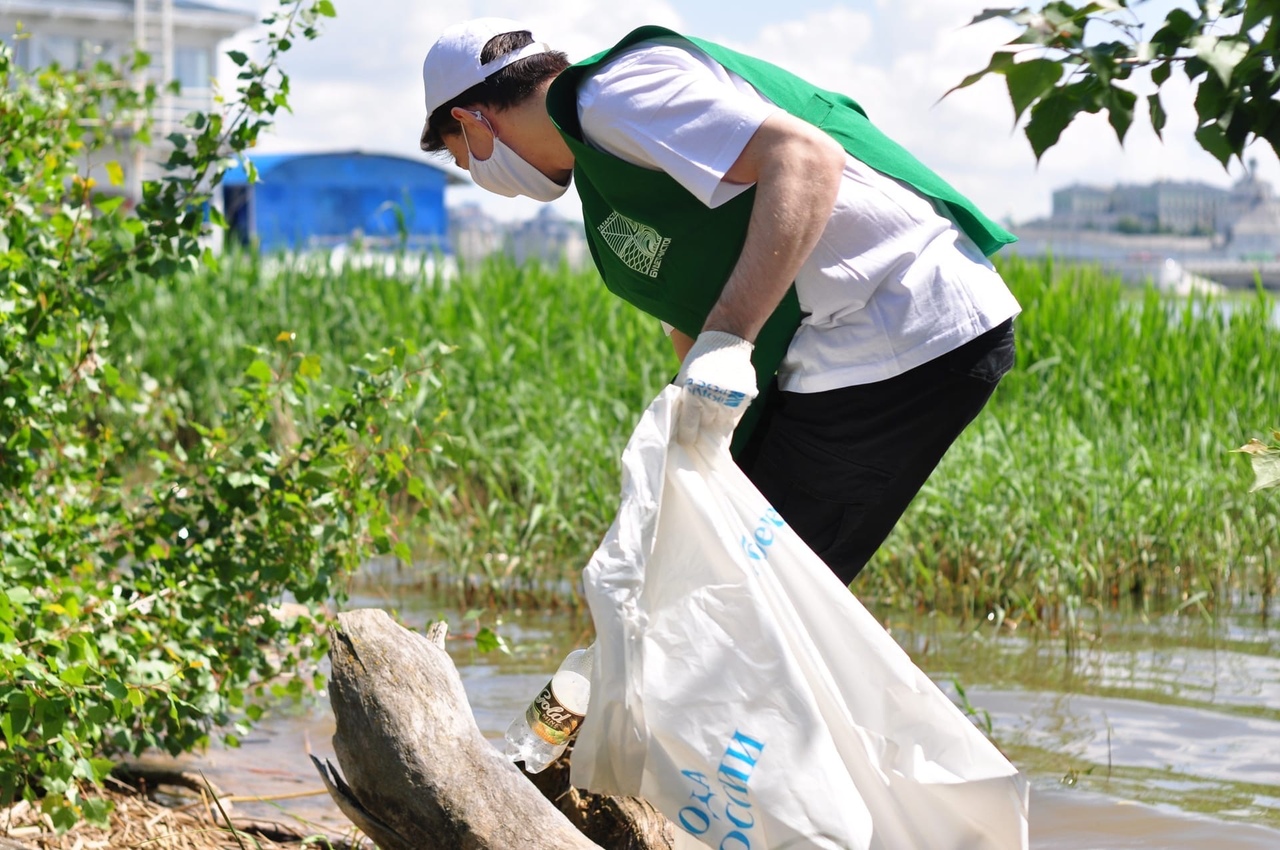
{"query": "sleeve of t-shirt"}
{"type": "Point", "coordinates": [673, 110]}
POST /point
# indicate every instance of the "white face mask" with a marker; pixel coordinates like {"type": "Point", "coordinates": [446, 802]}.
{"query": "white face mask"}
{"type": "Point", "coordinates": [505, 172]}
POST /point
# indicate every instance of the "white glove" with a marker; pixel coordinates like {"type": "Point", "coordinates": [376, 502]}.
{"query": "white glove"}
{"type": "Point", "coordinates": [718, 383]}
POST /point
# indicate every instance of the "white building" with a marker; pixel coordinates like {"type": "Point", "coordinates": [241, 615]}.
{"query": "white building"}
{"type": "Point", "coordinates": [1167, 206]}
{"type": "Point", "coordinates": [547, 237]}
{"type": "Point", "coordinates": [181, 36]}
{"type": "Point", "coordinates": [551, 239]}
{"type": "Point", "coordinates": [474, 233]}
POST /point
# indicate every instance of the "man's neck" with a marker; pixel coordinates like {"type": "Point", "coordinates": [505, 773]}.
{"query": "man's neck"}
{"type": "Point", "coordinates": [539, 141]}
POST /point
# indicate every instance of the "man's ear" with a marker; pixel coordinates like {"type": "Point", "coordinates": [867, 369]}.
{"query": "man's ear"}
{"type": "Point", "coordinates": [468, 119]}
{"type": "Point", "coordinates": [480, 135]}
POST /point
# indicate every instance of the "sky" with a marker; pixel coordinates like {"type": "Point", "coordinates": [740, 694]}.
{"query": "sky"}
{"type": "Point", "coordinates": [359, 87]}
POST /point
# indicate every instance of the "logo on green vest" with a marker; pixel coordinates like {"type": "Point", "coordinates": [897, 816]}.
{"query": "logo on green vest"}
{"type": "Point", "coordinates": [638, 245]}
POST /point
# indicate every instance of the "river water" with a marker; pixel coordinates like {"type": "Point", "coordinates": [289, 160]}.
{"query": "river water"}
{"type": "Point", "coordinates": [1144, 732]}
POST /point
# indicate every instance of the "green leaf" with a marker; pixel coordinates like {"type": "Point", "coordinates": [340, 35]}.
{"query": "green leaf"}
{"type": "Point", "coordinates": [248, 479]}
{"type": "Point", "coordinates": [81, 646]}
{"type": "Point", "coordinates": [1120, 105]}
{"type": "Point", "coordinates": [63, 816]}
{"type": "Point", "coordinates": [16, 720]}
{"type": "Point", "coordinates": [488, 640]}
{"type": "Point", "coordinates": [1213, 139]}
{"type": "Point", "coordinates": [1109, 61]}
{"type": "Point", "coordinates": [99, 714]}
{"type": "Point", "coordinates": [1049, 118]}
{"type": "Point", "coordinates": [395, 465]}
{"type": "Point", "coordinates": [1030, 80]}
{"type": "Point", "coordinates": [309, 368]}
{"type": "Point", "coordinates": [1000, 61]}
{"type": "Point", "coordinates": [102, 768]}
{"type": "Point", "coordinates": [97, 811]}
{"type": "Point", "coordinates": [74, 675]}
{"type": "Point", "coordinates": [237, 57]}
{"type": "Point", "coordinates": [115, 173]}
{"type": "Point", "coordinates": [1175, 32]}
{"type": "Point", "coordinates": [1220, 54]}
{"type": "Point", "coordinates": [107, 204]}
{"type": "Point", "coordinates": [417, 489]}
{"type": "Point", "coordinates": [1160, 73]}
{"type": "Point", "coordinates": [1211, 99]}
{"type": "Point", "coordinates": [1257, 11]}
{"type": "Point", "coordinates": [260, 371]}
{"type": "Point", "coordinates": [1158, 117]}
{"type": "Point", "coordinates": [53, 717]}
{"type": "Point", "coordinates": [325, 7]}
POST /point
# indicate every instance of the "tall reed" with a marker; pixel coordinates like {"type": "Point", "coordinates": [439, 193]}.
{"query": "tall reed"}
{"type": "Point", "coordinates": [1101, 468]}
{"type": "Point", "coordinates": [547, 376]}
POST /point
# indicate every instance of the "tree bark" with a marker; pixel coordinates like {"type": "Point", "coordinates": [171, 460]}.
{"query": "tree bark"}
{"type": "Point", "coordinates": [419, 774]}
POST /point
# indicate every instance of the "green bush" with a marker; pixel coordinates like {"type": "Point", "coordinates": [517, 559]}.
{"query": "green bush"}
{"type": "Point", "coordinates": [146, 554]}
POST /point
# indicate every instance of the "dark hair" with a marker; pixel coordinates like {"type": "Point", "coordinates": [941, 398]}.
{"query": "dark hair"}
{"type": "Point", "coordinates": [503, 89]}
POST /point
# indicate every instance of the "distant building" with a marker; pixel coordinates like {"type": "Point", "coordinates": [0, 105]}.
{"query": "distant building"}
{"type": "Point", "coordinates": [1255, 235]}
{"type": "Point", "coordinates": [323, 200]}
{"type": "Point", "coordinates": [1252, 220]}
{"type": "Point", "coordinates": [547, 237]}
{"type": "Point", "coordinates": [181, 36]}
{"type": "Point", "coordinates": [551, 239]}
{"type": "Point", "coordinates": [1182, 208]}
{"type": "Point", "coordinates": [1173, 233]}
{"type": "Point", "coordinates": [474, 234]}
{"type": "Point", "coordinates": [1083, 207]}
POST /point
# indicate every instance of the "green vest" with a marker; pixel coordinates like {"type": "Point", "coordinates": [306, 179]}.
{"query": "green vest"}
{"type": "Point", "coordinates": [663, 250]}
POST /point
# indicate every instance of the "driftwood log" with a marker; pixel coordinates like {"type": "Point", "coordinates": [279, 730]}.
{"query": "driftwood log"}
{"type": "Point", "coordinates": [415, 773]}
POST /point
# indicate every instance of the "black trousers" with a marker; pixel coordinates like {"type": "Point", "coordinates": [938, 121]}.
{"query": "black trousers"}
{"type": "Point", "coordinates": [842, 466]}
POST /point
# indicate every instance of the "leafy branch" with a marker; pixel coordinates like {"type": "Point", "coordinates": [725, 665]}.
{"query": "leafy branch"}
{"type": "Point", "coordinates": [1055, 68]}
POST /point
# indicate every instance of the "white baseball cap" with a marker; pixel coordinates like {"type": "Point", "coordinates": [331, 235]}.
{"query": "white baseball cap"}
{"type": "Point", "coordinates": [453, 63]}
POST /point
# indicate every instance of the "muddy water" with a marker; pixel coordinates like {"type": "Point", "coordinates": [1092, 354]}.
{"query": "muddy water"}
{"type": "Point", "coordinates": [1150, 732]}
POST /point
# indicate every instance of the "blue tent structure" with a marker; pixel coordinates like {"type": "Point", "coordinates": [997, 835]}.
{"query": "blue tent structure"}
{"type": "Point", "coordinates": [316, 200]}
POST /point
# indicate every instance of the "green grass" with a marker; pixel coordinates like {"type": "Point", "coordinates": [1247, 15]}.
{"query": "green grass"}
{"type": "Point", "coordinates": [1101, 469]}
{"type": "Point", "coordinates": [1103, 466]}
{"type": "Point", "coordinates": [547, 377]}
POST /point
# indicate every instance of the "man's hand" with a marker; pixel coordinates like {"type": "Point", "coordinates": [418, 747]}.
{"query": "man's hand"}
{"type": "Point", "coordinates": [718, 383]}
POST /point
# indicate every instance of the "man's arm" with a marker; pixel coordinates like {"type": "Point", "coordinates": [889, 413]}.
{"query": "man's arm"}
{"type": "Point", "coordinates": [681, 343]}
{"type": "Point", "coordinates": [797, 170]}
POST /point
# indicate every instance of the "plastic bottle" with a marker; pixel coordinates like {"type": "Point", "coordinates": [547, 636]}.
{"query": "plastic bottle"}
{"type": "Point", "coordinates": [538, 736]}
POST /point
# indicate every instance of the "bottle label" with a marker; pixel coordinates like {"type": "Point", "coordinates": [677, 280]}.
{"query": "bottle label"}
{"type": "Point", "coordinates": [550, 720]}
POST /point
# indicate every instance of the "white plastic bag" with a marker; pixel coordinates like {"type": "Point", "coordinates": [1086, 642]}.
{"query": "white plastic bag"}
{"type": "Point", "coordinates": [745, 693]}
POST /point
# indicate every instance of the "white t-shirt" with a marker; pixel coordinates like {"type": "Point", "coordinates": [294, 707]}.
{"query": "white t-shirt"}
{"type": "Point", "coordinates": [891, 284]}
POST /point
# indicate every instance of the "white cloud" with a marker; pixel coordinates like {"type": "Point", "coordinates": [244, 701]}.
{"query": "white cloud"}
{"type": "Point", "coordinates": [823, 47]}
{"type": "Point", "coordinates": [358, 86]}
{"type": "Point", "coordinates": [582, 27]}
